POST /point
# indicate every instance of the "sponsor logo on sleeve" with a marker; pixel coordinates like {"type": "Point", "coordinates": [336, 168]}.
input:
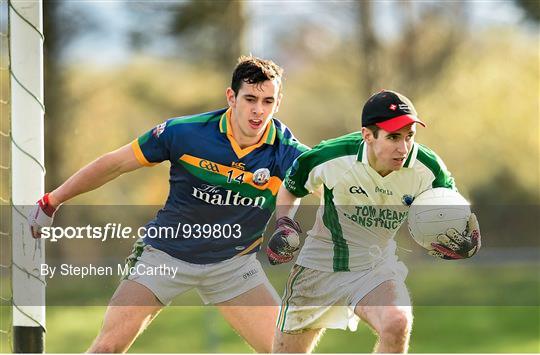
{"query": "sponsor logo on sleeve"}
{"type": "Point", "coordinates": [290, 184]}
{"type": "Point", "coordinates": [156, 132]}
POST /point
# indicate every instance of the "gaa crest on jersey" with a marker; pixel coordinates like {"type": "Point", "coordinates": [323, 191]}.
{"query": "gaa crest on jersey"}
{"type": "Point", "coordinates": [357, 190]}
{"type": "Point", "coordinates": [407, 200]}
{"type": "Point", "coordinates": [156, 132]}
{"type": "Point", "coordinates": [261, 176]}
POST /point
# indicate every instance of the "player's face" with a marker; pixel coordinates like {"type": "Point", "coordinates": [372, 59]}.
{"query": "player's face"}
{"type": "Point", "coordinates": [252, 109]}
{"type": "Point", "coordinates": [389, 150]}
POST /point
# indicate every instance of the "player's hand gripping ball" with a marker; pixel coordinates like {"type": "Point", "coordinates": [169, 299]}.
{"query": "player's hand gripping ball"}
{"type": "Point", "coordinates": [453, 245]}
{"type": "Point", "coordinates": [284, 242]}
{"type": "Point", "coordinates": [41, 215]}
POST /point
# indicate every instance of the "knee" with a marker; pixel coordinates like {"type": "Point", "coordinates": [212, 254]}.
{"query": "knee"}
{"type": "Point", "coordinates": [397, 324]}
{"type": "Point", "coordinates": [278, 345]}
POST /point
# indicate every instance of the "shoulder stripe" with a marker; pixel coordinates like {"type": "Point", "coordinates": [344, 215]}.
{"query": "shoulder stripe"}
{"type": "Point", "coordinates": [326, 151]}
{"type": "Point", "coordinates": [200, 118]}
{"type": "Point", "coordinates": [290, 141]}
{"type": "Point", "coordinates": [144, 138]}
{"type": "Point", "coordinates": [437, 167]}
{"type": "Point", "coordinates": [296, 144]}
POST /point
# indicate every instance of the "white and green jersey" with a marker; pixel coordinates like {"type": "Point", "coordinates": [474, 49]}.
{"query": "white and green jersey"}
{"type": "Point", "coordinates": [361, 210]}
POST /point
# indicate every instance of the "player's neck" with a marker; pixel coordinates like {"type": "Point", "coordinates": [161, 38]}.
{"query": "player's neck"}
{"type": "Point", "coordinates": [244, 141]}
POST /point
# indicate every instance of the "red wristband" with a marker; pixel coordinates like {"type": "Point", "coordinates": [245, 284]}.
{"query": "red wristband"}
{"type": "Point", "coordinates": [45, 205]}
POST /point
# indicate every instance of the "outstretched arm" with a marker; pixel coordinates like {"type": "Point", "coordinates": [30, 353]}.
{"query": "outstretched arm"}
{"type": "Point", "coordinates": [286, 203]}
{"type": "Point", "coordinates": [97, 173]}
{"type": "Point", "coordinates": [102, 170]}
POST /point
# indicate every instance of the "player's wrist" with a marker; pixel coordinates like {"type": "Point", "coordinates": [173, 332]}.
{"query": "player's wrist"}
{"type": "Point", "coordinates": [54, 201]}
{"type": "Point", "coordinates": [46, 205]}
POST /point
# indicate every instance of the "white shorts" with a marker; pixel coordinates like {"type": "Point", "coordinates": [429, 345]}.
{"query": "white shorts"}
{"type": "Point", "coordinates": [215, 283]}
{"type": "Point", "coordinates": [316, 299]}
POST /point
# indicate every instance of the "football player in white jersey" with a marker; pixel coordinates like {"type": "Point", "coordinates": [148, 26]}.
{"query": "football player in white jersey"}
{"type": "Point", "coordinates": [348, 268]}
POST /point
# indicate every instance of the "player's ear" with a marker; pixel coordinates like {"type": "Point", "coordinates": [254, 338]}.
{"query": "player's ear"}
{"type": "Point", "coordinates": [231, 96]}
{"type": "Point", "coordinates": [367, 135]}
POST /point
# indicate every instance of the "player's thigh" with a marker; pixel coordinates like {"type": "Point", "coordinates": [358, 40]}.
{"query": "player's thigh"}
{"type": "Point", "coordinates": [253, 315]}
{"type": "Point", "coordinates": [229, 279]}
{"type": "Point", "coordinates": [389, 300]}
{"type": "Point", "coordinates": [130, 310]}
{"type": "Point", "coordinates": [303, 342]}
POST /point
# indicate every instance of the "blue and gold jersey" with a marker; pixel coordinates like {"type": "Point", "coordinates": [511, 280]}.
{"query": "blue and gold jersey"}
{"type": "Point", "coordinates": [221, 196]}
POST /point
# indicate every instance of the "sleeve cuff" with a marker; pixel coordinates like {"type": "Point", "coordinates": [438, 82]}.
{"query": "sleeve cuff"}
{"type": "Point", "coordinates": [139, 154]}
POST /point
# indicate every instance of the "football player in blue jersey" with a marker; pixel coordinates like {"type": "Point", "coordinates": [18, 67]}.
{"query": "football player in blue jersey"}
{"type": "Point", "coordinates": [226, 168]}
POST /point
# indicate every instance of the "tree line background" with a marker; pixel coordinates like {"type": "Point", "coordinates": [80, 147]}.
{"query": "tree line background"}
{"type": "Point", "coordinates": [477, 87]}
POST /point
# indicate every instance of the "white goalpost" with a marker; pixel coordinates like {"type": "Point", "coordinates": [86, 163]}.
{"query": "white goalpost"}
{"type": "Point", "coordinates": [27, 171]}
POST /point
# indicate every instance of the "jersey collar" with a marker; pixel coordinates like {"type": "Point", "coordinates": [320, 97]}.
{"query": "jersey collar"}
{"type": "Point", "coordinates": [362, 153]}
{"type": "Point", "coordinates": [411, 158]}
{"type": "Point", "coordinates": [268, 137]}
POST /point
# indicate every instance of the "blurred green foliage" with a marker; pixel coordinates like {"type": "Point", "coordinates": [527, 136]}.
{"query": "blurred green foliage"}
{"type": "Point", "coordinates": [477, 285]}
{"type": "Point", "coordinates": [198, 330]}
{"type": "Point", "coordinates": [482, 112]}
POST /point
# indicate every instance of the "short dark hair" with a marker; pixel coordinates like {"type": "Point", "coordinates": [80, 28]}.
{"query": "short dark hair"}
{"type": "Point", "coordinates": [253, 70]}
{"type": "Point", "coordinates": [374, 129]}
